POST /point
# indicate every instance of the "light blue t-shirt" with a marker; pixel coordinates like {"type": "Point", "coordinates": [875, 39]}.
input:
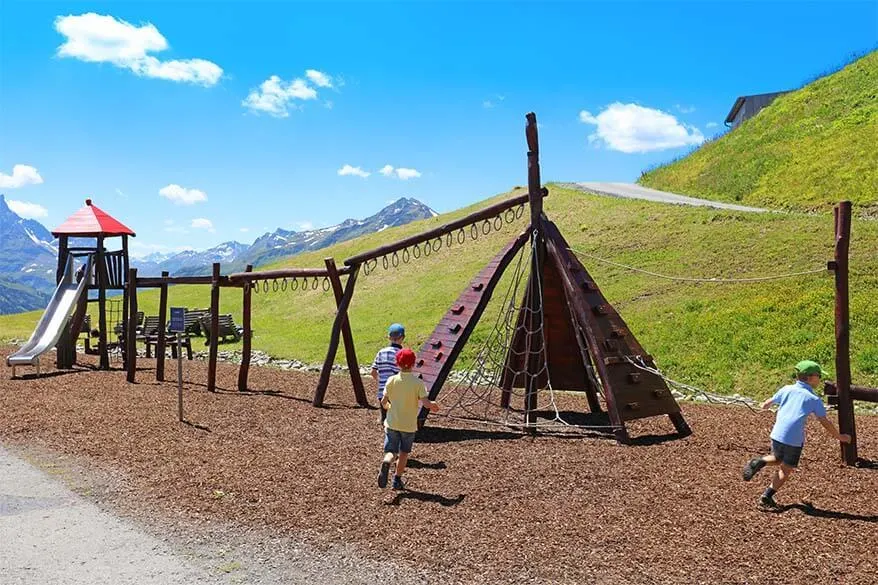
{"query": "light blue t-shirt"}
{"type": "Point", "coordinates": [796, 401]}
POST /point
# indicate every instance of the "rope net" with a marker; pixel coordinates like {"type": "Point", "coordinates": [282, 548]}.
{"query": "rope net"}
{"type": "Point", "coordinates": [475, 395]}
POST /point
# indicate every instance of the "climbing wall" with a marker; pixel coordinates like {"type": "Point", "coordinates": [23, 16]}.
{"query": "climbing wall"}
{"type": "Point", "coordinates": [437, 356]}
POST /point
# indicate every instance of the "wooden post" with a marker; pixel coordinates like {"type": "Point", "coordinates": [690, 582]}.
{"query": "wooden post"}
{"type": "Point", "coordinates": [125, 268]}
{"type": "Point", "coordinates": [244, 370]}
{"type": "Point", "coordinates": [214, 327]}
{"type": "Point", "coordinates": [163, 325]}
{"type": "Point", "coordinates": [63, 359]}
{"type": "Point", "coordinates": [846, 422]}
{"type": "Point", "coordinates": [62, 257]}
{"type": "Point", "coordinates": [131, 326]}
{"type": "Point", "coordinates": [535, 345]}
{"type": "Point", "coordinates": [349, 350]}
{"type": "Point", "coordinates": [101, 273]}
{"type": "Point", "coordinates": [340, 317]}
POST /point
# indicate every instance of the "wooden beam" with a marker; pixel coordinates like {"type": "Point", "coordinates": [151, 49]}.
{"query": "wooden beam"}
{"type": "Point", "coordinates": [214, 327]}
{"type": "Point", "coordinates": [131, 326]}
{"type": "Point", "coordinates": [163, 326]}
{"type": "Point", "coordinates": [101, 272]}
{"type": "Point", "coordinates": [341, 316]}
{"type": "Point", "coordinates": [863, 393]}
{"type": "Point", "coordinates": [846, 423]}
{"type": "Point", "coordinates": [485, 213]}
{"type": "Point", "coordinates": [125, 267]}
{"type": "Point", "coordinates": [348, 337]}
{"type": "Point", "coordinates": [246, 304]}
{"type": "Point", "coordinates": [535, 341]}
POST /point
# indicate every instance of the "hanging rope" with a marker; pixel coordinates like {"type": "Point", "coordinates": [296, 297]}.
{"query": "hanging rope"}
{"type": "Point", "coordinates": [475, 398]}
{"type": "Point", "coordinates": [691, 279]}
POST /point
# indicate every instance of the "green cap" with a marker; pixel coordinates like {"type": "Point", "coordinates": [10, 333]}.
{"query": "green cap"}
{"type": "Point", "coordinates": [810, 367]}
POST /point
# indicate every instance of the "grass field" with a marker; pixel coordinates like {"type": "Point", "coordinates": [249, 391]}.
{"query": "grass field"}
{"type": "Point", "coordinates": [725, 337]}
{"type": "Point", "coordinates": [806, 151]}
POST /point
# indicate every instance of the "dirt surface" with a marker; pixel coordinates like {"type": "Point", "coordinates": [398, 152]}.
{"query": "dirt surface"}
{"type": "Point", "coordinates": [483, 505]}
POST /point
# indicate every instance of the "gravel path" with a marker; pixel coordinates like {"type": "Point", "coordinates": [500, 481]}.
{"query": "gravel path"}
{"type": "Point", "coordinates": [49, 534]}
{"type": "Point", "coordinates": [634, 191]}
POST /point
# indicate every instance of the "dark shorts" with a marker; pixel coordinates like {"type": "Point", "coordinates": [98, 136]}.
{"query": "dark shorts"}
{"type": "Point", "coordinates": [787, 454]}
{"type": "Point", "coordinates": [398, 441]}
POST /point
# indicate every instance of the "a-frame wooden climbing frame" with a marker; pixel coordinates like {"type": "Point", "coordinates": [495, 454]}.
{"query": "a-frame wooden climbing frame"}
{"type": "Point", "coordinates": [584, 342]}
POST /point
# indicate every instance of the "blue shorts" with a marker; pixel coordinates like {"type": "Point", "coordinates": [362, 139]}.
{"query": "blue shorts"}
{"type": "Point", "coordinates": [398, 441]}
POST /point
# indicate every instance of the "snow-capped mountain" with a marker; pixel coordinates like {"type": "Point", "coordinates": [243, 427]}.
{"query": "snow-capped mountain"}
{"type": "Point", "coordinates": [28, 252]}
{"type": "Point", "coordinates": [28, 259]}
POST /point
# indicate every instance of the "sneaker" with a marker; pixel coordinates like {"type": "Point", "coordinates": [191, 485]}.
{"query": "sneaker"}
{"type": "Point", "coordinates": [398, 483]}
{"type": "Point", "coordinates": [753, 467]}
{"type": "Point", "coordinates": [382, 475]}
{"type": "Point", "coordinates": [767, 502]}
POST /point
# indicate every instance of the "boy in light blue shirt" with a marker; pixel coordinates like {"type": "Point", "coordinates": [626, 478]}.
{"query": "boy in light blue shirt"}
{"type": "Point", "coordinates": [796, 403]}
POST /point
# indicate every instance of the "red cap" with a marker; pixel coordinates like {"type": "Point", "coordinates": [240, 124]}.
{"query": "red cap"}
{"type": "Point", "coordinates": [405, 358]}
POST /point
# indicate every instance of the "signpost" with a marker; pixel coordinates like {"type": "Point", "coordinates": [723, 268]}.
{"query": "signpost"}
{"type": "Point", "coordinates": [178, 326]}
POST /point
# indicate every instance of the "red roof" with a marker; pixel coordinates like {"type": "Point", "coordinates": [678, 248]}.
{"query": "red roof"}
{"type": "Point", "coordinates": [91, 221]}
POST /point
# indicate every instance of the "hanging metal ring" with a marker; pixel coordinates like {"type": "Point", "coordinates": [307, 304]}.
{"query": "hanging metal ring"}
{"type": "Point", "coordinates": [416, 251]}
{"type": "Point", "coordinates": [384, 262]}
{"type": "Point", "coordinates": [248, 287]}
{"type": "Point", "coordinates": [519, 211]}
{"type": "Point", "coordinates": [461, 236]}
{"type": "Point", "coordinates": [326, 284]}
{"type": "Point", "coordinates": [366, 270]}
{"type": "Point", "coordinates": [283, 284]}
{"type": "Point", "coordinates": [294, 284]}
{"type": "Point", "coordinates": [449, 239]}
{"type": "Point", "coordinates": [315, 284]}
{"type": "Point", "coordinates": [406, 256]}
{"type": "Point", "coordinates": [486, 227]}
{"type": "Point", "coordinates": [498, 222]}
{"type": "Point", "coordinates": [427, 249]}
{"type": "Point", "coordinates": [394, 259]}
{"type": "Point", "coordinates": [304, 284]}
{"type": "Point", "coordinates": [264, 286]}
{"type": "Point", "coordinates": [474, 231]}
{"type": "Point", "coordinates": [275, 285]}
{"type": "Point", "coordinates": [509, 215]}
{"type": "Point", "coordinates": [437, 244]}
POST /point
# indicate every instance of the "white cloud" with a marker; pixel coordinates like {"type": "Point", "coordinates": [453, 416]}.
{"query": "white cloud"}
{"type": "Point", "coordinates": [276, 97]}
{"type": "Point", "coordinates": [244, 230]}
{"type": "Point", "coordinates": [318, 78]}
{"type": "Point", "coordinates": [21, 175]}
{"type": "Point", "coordinates": [27, 210]}
{"type": "Point", "coordinates": [305, 226]}
{"type": "Point", "coordinates": [631, 128]}
{"type": "Point", "coordinates": [401, 172]}
{"type": "Point", "coordinates": [202, 223]}
{"type": "Point", "coordinates": [355, 171]}
{"type": "Point", "coordinates": [182, 195]}
{"type": "Point", "coordinates": [406, 174]}
{"type": "Point", "coordinates": [711, 125]}
{"type": "Point", "coordinates": [98, 38]}
{"type": "Point", "coordinates": [493, 102]}
{"type": "Point", "coordinates": [684, 109]}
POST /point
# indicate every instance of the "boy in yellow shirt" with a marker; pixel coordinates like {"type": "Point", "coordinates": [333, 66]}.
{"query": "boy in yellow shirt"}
{"type": "Point", "coordinates": [404, 393]}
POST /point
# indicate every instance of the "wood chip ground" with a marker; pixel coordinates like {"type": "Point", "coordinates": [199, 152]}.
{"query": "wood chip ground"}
{"type": "Point", "coordinates": [483, 504]}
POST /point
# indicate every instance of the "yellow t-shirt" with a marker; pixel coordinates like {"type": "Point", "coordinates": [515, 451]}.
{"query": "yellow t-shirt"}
{"type": "Point", "coordinates": [404, 390]}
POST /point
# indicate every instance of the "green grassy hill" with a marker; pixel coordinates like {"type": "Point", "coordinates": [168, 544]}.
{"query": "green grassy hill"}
{"type": "Point", "coordinates": [808, 150]}
{"type": "Point", "coordinates": [718, 336]}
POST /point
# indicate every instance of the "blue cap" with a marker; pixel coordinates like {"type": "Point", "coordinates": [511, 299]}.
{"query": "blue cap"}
{"type": "Point", "coordinates": [396, 330]}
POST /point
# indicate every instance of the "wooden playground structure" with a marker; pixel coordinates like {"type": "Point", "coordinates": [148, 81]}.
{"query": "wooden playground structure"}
{"type": "Point", "coordinates": [567, 336]}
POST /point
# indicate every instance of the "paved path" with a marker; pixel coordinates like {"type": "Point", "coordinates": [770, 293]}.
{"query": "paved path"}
{"type": "Point", "coordinates": [634, 191]}
{"type": "Point", "coordinates": [50, 535]}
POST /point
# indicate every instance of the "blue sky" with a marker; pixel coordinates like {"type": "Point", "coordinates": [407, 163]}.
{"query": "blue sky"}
{"type": "Point", "coordinates": [169, 116]}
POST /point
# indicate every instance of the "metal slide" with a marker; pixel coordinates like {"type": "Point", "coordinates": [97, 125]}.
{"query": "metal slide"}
{"type": "Point", "coordinates": [54, 319]}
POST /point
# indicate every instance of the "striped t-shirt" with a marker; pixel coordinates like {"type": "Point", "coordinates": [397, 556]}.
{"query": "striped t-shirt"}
{"type": "Point", "coordinates": [385, 363]}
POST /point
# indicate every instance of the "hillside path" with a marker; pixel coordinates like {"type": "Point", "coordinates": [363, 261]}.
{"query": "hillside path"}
{"type": "Point", "coordinates": [634, 191]}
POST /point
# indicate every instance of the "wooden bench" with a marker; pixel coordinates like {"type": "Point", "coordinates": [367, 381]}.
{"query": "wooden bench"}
{"type": "Point", "coordinates": [227, 328]}
{"type": "Point", "coordinates": [192, 321]}
{"type": "Point", "coordinates": [149, 333]}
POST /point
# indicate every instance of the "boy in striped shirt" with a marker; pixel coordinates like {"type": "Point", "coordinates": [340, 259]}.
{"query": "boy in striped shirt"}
{"type": "Point", "coordinates": [384, 364]}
